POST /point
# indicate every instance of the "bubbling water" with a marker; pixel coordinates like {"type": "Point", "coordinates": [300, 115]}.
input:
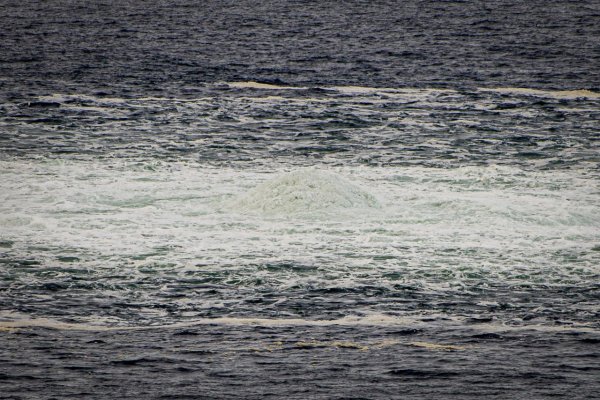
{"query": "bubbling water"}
{"type": "Point", "coordinates": [304, 191]}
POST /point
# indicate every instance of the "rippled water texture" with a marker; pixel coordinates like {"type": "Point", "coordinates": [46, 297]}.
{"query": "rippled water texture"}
{"type": "Point", "coordinates": [158, 47]}
{"type": "Point", "coordinates": [231, 200]}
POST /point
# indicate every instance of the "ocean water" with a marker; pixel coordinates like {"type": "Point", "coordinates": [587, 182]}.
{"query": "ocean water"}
{"type": "Point", "coordinates": [302, 200]}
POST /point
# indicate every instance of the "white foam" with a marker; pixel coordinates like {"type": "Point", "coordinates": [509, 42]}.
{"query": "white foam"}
{"type": "Point", "coordinates": [258, 85]}
{"type": "Point", "coordinates": [557, 94]}
{"type": "Point", "coordinates": [304, 190]}
{"type": "Point", "coordinates": [389, 90]}
{"type": "Point", "coordinates": [121, 216]}
{"type": "Point", "coordinates": [13, 321]}
{"type": "Point", "coordinates": [61, 98]}
{"type": "Point", "coordinates": [355, 90]}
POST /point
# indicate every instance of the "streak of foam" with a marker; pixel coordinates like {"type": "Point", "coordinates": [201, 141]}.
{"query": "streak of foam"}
{"type": "Point", "coordinates": [258, 85]}
{"type": "Point", "coordinates": [61, 98]}
{"type": "Point", "coordinates": [12, 321]}
{"type": "Point", "coordinates": [361, 89]}
{"type": "Point", "coordinates": [370, 320]}
{"type": "Point", "coordinates": [557, 94]}
{"type": "Point", "coordinates": [347, 90]}
{"type": "Point", "coordinates": [384, 90]}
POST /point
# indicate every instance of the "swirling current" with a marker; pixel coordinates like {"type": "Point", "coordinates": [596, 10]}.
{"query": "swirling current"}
{"type": "Point", "coordinates": [358, 200]}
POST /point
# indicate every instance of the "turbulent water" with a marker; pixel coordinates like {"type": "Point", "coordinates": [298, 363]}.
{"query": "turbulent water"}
{"type": "Point", "coordinates": [226, 200]}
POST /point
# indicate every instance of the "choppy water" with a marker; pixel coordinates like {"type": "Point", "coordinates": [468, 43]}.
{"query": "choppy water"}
{"type": "Point", "coordinates": [293, 230]}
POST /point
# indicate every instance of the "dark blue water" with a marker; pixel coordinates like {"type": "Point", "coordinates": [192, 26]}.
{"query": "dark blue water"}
{"type": "Point", "coordinates": [309, 200]}
{"type": "Point", "coordinates": [175, 47]}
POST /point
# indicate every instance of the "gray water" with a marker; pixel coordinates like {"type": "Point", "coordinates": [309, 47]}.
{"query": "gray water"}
{"type": "Point", "coordinates": [302, 200]}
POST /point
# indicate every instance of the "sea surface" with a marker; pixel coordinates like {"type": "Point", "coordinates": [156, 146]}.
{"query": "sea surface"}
{"type": "Point", "coordinates": [302, 200]}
